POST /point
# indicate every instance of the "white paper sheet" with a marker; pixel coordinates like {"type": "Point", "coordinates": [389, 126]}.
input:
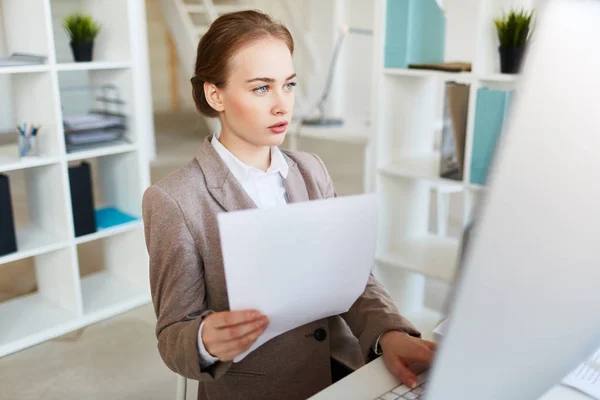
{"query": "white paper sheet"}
{"type": "Point", "coordinates": [441, 328]}
{"type": "Point", "coordinates": [585, 378]}
{"type": "Point", "coordinates": [298, 263]}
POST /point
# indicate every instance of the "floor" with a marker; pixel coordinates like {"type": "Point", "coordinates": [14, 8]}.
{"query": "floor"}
{"type": "Point", "coordinates": [117, 358]}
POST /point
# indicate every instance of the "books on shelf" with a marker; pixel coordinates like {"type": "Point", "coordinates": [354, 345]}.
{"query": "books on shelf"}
{"type": "Point", "coordinates": [443, 66]}
{"type": "Point", "coordinates": [454, 132]}
{"type": "Point", "coordinates": [17, 59]}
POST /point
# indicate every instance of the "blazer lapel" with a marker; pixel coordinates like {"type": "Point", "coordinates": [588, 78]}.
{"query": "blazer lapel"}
{"type": "Point", "coordinates": [295, 187]}
{"type": "Point", "coordinates": [220, 182]}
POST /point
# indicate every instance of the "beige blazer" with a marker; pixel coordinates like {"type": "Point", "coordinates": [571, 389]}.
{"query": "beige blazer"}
{"type": "Point", "coordinates": [188, 283]}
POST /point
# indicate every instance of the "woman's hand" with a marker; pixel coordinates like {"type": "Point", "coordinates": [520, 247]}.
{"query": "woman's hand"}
{"type": "Point", "coordinates": [229, 333]}
{"type": "Point", "coordinates": [400, 351]}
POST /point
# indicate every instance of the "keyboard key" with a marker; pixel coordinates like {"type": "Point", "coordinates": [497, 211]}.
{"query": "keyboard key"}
{"type": "Point", "coordinates": [389, 396]}
{"type": "Point", "coordinates": [410, 396]}
{"type": "Point", "coordinates": [419, 389]}
{"type": "Point", "coordinates": [422, 378]}
{"type": "Point", "coordinates": [400, 390]}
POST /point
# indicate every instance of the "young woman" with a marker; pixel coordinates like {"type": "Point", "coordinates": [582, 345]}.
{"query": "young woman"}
{"type": "Point", "coordinates": [244, 75]}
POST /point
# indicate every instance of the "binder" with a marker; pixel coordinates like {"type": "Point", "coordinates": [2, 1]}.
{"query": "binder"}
{"type": "Point", "coordinates": [8, 240]}
{"type": "Point", "coordinates": [82, 199]}
{"type": "Point", "coordinates": [456, 109]}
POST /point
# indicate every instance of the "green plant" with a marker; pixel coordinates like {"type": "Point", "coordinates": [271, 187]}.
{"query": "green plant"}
{"type": "Point", "coordinates": [513, 28]}
{"type": "Point", "coordinates": [81, 27]}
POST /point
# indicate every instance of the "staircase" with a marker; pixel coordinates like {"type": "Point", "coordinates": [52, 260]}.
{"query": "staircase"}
{"type": "Point", "coordinates": [188, 20]}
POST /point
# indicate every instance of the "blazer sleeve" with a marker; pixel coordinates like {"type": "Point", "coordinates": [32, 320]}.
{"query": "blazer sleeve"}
{"type": "Point", "coordinates": [177, 286]}
{"type": "Point", "coordinates": [374, 312]}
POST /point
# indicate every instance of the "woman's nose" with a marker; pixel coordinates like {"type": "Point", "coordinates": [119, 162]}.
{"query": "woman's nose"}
{"type": "Point", "coordinates": [283, 103]}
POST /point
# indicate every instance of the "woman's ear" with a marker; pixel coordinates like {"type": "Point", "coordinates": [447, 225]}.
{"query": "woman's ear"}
{"type": "Point", "coordinates": [213, 96]}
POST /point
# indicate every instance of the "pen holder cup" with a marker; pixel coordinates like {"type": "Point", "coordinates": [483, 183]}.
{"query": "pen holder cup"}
{"type": "Point", "coordinates": [28, 146]}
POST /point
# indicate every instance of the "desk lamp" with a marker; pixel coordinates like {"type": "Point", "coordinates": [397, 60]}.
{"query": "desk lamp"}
{"type": "Point", "coordinates": [322, 119]}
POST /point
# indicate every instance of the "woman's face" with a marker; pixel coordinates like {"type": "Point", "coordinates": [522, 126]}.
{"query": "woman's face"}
{"type": "Point", "coordinates": [257, 101]}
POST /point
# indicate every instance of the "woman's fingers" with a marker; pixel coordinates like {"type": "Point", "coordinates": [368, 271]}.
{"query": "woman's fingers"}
{"type": "Point", "coordinates": [231, 318]}
{"type": "Point", "coordinates": [400, 370]}
{"type": "Point", "coordinates": [231, 348]}
{"type": "Point", "coordinates": [238, 331]}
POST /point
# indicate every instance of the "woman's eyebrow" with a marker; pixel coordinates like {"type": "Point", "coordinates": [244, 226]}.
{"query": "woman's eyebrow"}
{"type": "Point", "coordinates": [269, 80]}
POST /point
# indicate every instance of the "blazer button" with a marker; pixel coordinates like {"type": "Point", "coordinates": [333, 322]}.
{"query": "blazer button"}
{"type": "Point", "coordinates": [320, 334]}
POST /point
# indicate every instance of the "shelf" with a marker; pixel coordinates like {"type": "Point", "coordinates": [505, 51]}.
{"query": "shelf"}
{"type": "Point", "coordinates": [463, 77]}
{"type": "Point", "coordinates": [70, 292]}
{"type": "Point", "coordinates": [425, 167]}
{"type": "Point", "coordinates": [432, 256]}
{"type": "Point", "coordinates": [105, 294]}
{"type": "Point", "coordinates": [29, 320]}
{"type": "Point", "coordinates": [107, 232]}
{"type": "Point", "coordinates": [101, 150]}
{"type": "Point", "coordinates": [94, 65]}
{"type": "Point", "coordinates": [16, 163]}
{"type": "Point", "coordinates": [498, 78]}
{"type": "Point", "coordinates": [476, 187]}
{"type": "Point", "coordinates": [24, 69]}
{"type": "Point", "coordinates": [33, 241]}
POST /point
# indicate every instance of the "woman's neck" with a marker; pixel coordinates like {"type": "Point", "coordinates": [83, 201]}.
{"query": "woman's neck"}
{"type": "Point", "coordinates": [254, 156]}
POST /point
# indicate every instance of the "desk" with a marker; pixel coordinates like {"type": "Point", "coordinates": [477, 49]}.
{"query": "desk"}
{"type": "Point", "coordinates": [374, 379]}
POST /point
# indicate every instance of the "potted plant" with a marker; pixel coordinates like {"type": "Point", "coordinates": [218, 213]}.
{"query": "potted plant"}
{"type": "Point", "coordinates": [82, 30]}
{"type": "Point", "coordinates": [513, 30]}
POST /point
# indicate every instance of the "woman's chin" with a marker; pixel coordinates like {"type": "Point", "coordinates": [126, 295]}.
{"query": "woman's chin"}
{"type": "Point", "coordinates": [277, 139]}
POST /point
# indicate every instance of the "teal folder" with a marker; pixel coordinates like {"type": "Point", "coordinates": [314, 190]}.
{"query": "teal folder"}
{"type": "Point", "coordinates": [490, 113]}
{"type": "Point", "coordinates": [415, 33]}
{"type": "Point", "coordinates": [109, 216]}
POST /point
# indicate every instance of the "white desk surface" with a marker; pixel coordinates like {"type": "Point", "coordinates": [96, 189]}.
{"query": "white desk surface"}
{"type": "Point", "coordinates": [374, 379]}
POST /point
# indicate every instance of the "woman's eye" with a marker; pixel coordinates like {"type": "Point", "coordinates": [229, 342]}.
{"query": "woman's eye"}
{"type": "Point", "coordinates": [291, 85]}
{"type": "Point", "coordinates": [261, 90]}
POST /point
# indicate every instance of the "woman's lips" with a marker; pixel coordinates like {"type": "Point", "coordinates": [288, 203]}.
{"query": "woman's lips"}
{"type": "Point", "coordinates": [279, 127]}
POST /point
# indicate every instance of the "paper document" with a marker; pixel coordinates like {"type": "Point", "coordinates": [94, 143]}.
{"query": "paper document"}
{"type": "Point", "coordinates": [441, 328]}
{"type": "Point", "coordinates": [586, 378]}
{"type": "Point", "coordinates": [298, 263]}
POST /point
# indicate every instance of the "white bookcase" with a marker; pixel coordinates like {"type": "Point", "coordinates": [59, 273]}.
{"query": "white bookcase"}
{"type": "Point", "coordinates": [65, 300]}
{"type": "Point", "coordinates": [408, 115]}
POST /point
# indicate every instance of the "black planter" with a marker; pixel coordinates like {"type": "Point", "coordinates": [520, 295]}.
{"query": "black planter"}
{"type": "Point", "coordinates": [82, 51]}
{"type": "Point", "coordinates": [510, 59]}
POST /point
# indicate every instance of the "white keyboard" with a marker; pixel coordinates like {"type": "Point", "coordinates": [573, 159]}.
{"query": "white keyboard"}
{"type": "Point", "coordinates": [403, 392]}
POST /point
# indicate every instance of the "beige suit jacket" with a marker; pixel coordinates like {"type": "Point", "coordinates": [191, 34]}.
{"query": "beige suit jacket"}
{"type": "Point", "coordinates": [188, 283]}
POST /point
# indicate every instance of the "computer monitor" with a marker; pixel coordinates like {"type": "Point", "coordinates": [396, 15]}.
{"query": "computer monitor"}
{"type": "Point", "coordinates": [526, 309]}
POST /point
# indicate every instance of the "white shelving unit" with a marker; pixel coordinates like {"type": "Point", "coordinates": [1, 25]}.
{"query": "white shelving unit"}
{"type": "Point", "coordinates": [408, 109]}
{"type": "Point", "coordinates": [66, 299]}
